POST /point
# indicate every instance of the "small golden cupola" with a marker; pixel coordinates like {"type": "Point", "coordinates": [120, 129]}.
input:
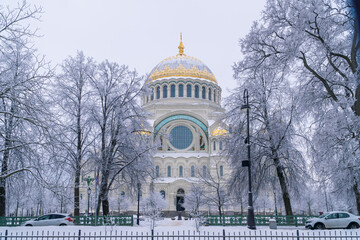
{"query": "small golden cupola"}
{"type": "Point", "coordinates": [183, 66]}
{"type": "Point", "coordinates": [219, 132]}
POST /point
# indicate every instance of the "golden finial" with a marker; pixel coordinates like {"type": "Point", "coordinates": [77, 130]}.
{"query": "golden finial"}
{"type": "Point", "coordinates": [181, 47]}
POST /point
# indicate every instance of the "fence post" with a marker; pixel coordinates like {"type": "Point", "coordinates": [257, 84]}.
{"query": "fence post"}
{"type": "Point", "coordinates": [6, 233]}
{"type": "Point", "coordinates": [79, 237]}
{"type": "Point", "coordinates": [152, 234]}
{"type": "Point", "coordinates": [297, 234]}
{"type": "Point", "coordinates": [223, 234]}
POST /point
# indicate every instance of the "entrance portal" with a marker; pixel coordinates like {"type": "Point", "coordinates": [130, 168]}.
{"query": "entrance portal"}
{"type": "Point", "coordinates": [180, 200]}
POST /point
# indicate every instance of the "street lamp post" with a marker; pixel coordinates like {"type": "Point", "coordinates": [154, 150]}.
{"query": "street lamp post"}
{"type": "Point", "coordinates": [138, 204]}
{"type": "Point", "coordinates": [247, 163]}
{"type": "Point", "coordinates": [88, 192]}
{"type": "Point", "coordinates": [88, 180]}
{"type": "Point", "coordinates": [144, 133]}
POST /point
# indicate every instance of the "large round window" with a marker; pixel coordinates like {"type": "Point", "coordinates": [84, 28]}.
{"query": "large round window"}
{"type": "Point", "coordinates": [181, 137]}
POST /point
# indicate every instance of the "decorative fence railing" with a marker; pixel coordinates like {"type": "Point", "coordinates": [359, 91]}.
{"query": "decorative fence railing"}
{"type": "Point", "coordinates": [13, 221]}
{"type": "Point", "coordinates": [108, 220]}
{"type": "Point", "coordinates": [81, 220]}
{"type": "Point", "coordinates": [259, 220]}
{"type": "Point", "coordinates": [220, 235]}
{"type": "Point", "coordinates": [207, 220]}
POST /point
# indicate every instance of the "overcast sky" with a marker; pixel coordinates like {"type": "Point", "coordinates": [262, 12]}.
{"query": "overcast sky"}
{"type": "Point", "coordinates": [141, 33]}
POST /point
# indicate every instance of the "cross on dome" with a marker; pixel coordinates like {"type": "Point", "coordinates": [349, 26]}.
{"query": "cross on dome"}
{"type": "Point", "coordinates": [181, 47]}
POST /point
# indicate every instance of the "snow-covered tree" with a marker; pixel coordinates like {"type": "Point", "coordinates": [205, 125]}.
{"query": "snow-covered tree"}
{"type": "Point", "coordinates": [195, 200]}
{"type": "Point", "coordinates": [123, 143]}
{"type": "Point", "coordinates": [216, 192]}
{"type": "Point", "coordinates": [23, 112]}
{"type": "Point", "coordinates": [22, 74]}
{"type": "Point", "coordinates": [275, 157]}
{"type": "Point", "coordinates": [314, 43]}
{"type": "Point", "coordinates": [153, 206]}
{"type": "Point", "coordinates": [15, 23]}
{"type": "Point", "coordinates": [73, 128]}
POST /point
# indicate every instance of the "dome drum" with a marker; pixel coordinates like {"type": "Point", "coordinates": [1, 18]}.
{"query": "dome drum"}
{"type": "Point", "coordinates": [183, 89]}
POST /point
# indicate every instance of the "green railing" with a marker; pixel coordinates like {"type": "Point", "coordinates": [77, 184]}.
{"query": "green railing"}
{"type": "Point", "coordinates": [259, 220]}
{"type": "Point", "coordinates": [102, 220]}
{"type": "Point", "coordinates": [13, 221]}
{"type": "Point", "coordinates": [81, 220]}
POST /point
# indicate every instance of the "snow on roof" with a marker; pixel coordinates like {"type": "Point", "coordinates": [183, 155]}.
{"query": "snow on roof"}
{"type": "Point", "coordinates": [171, 180]}
{"type": "Point", "coordinates": [180, 154]}
{"type": "Point", "coordinates": [211, 122]}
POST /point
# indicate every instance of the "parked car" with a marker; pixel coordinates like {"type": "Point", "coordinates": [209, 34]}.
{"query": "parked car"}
{"type": "Point", "coordinates": [51, 219]}
{"type": "Point", "coordinates": [336, 219]}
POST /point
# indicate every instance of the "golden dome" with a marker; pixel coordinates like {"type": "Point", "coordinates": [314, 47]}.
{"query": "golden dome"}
{"type": "Point", "coordinates": [219, 132]}
{"type": "Point", "coordinates": [181, 66]}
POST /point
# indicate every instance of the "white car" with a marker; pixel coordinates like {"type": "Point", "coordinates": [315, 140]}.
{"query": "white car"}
{"type": "Point", "coordinates": [51, 219]}
{"type": "Point", "coordinates": [334, 220]}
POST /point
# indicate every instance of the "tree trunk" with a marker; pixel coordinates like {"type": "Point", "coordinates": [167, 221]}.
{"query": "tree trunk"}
{"type": "Point", "coordinates": [3, 189]}
{"type": "Point", "coordinates": [77, 192]}
{"type": "Point", "coordinates": [103, 195]}
{"type": "Point", "coordinates": [78, 160]}
{"type": "Point", "coordinates": [357, 196]}
{"type": "Point", "coordinates": [105, 206]}
{"type": "Point", "coordinates": [5, 161]}
{"type": "Point", "coordinates": [220, 213]}
{"type": "Point", "coordinates": [284, 188]}
{"type": "Point", "coordinates": [356, 106]}
{"type": "Point", "coordinates": [357, 113]}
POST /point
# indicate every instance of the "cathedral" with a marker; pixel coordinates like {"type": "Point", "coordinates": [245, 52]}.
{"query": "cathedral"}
{"type": "Point", "coordinates": [186, 112]}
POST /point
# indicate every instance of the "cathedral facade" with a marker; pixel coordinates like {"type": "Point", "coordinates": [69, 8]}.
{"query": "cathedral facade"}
{"type": "Point", "coordinates": [186, 112]}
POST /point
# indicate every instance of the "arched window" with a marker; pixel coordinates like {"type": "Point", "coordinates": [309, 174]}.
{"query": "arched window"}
{"type": "Point", "coordinates": [158, 93]}
{"type": "Point", "coordinates": [181, 171]}
{"type": "Point", "coordinates": [188, 90]}
{"type": "Point", "coordinates": [203, 92]}
{"type": "Point", "coordinates": [220, 145]}
{"type": "Point", "coordinates": [221, 171]}
{"type": "Point", "coordinates": [181, 90]}
{"type": "Point", "coordinates": [196, 91]}
{"type": "Point", "coordinates": [204, 171]}
{"type": "Point", "coordinates": [172, 90]}
{"type": "Point", "coordinates": [162, 193]}
{"type": "Point", "coordinates": [152, 94]}
{"type": "Point", "coordinates": [209, 93]}
{"type": "Point", "coordinates": [157, 171]}
{"type": "Point", "coordinates": [169, 171]}
{"type": "Point", "coordinates": [165, 91]}
{"type": "Point", "coordinates": [214, 145]}
{"type": "Point", "coordinates": [214, 96]}
{"type": "Point", "coordinates": [180, 191]}
{"type": "Point", "coordinates": [192, 171]}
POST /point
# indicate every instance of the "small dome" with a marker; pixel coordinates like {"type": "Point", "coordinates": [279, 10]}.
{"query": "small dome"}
{"type": "Point", "coordinates": [219, 132]}
{"type": "Point", "coordinates": [181, 66]}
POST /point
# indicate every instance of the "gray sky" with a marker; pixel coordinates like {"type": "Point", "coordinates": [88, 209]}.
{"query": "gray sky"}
{"type": "Point", "coordinates": [141, 33]}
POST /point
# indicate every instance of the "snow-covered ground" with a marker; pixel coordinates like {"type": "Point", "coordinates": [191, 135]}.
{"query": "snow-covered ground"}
{"type": "Point", "coordinates": [168, 227]}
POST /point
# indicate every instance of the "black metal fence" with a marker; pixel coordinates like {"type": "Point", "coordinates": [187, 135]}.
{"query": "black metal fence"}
{"type": "Point", "coordinates": [187, 235]}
